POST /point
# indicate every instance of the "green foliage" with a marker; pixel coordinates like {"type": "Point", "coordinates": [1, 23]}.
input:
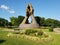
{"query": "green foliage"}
{"type": "Point", "coordinates": [56, 23]}
{"type": "Point", "coordinates": [16, 21]}
{"type": "Point", "coordinates": [40, 20]}
{"type": "Point", "coordinates": [40, 33]}
{"type": "Point", "coordinates": [3, 22]}
{"type": "Point", "coordinates": [51, 29]}
{"type": "Point", "coordinates": [13, 21]}
{"type": "Point", "coordinates": [20, 19]}
{"type": "Point", "coordinates": [45, 35]}
{"type": "Point", "coordinates": [29, 31]}
{"type": "Point", "coordinates": [21, 41]}
{"type": "Point", "coordinates": [49, 22]}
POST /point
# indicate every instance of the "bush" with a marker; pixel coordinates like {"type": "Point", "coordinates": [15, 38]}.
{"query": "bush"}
{"type": "Point", "coordinates": [45, 35]}
{"type": "Point", "coordinates": [29, 31]}
{"type": "Point", "coordinates": [40, 32]}
{"type": "Point", "coordinates": [22, 31]}
{"type": "Point", "coordinates": [51, 29]}
{"type": "Point", "coordinates": [16, 32]}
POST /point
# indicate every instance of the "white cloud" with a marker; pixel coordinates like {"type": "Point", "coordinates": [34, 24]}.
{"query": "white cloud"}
{"type": "Point", "coordinates": [4, 7]}
{"type": "Point", "coordinates": [11, 11]}
{"type": "Point", "coordinates": [7, 9]}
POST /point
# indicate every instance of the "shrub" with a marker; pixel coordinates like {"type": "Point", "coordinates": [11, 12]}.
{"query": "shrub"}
{"type": "Point", "coordinates": [45, 35]}
{"type": "Point", "coordinates": [51, 29]}
{"type": "Point", "coordinates": [16, 32]}
{"type": "Point", "coordinates": [22, 31]}
{"type": "Point", "coordinates": [29, 31]}
{"type": "Point", "coordinates": [40, 32]}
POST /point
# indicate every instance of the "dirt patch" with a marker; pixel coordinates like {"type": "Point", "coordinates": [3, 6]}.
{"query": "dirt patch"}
{"type": "Point", "coordinates": [57, 30]}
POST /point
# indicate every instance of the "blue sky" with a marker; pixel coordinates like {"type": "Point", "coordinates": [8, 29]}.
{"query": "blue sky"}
{"type": "Point", "coordinates": [42, 8]}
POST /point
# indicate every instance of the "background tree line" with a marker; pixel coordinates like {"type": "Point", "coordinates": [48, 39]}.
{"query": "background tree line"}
{"type": "Point", "coordinates": [16, 21]}
{"type": "Point", "coordinates": [4, 22]}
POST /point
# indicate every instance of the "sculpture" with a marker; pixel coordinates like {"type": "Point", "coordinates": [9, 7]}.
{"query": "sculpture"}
{"type": "Point", "coordinates": [29, 13]}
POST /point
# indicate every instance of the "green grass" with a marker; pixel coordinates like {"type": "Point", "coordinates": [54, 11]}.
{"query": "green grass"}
{"type": "Point", "coordinates": [4, 40]}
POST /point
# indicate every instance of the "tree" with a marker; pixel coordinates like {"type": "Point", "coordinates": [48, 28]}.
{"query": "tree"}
{"type": "Point", "coordinates": [3, 22]}
{"type": "Point", "coordinates": [13, 21]}
{"type": "Point", "coordinates": [16, 21]}
{"type": "Point", "coordinates": [20, 19]}
{"type": "Point", "coordinates": [40, 20]}
{"type": "Point", "coordinates": [49, 22]}
{"type": "Point", "coordinates": [56, 23]}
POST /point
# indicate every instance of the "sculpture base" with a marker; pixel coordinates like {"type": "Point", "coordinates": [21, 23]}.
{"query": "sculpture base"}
{"type": "Point", "coordinates": [22, 26]}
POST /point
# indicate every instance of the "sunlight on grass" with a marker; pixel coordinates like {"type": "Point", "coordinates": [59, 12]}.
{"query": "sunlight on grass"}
{"type": "Point", "coordinates": [21, 41]}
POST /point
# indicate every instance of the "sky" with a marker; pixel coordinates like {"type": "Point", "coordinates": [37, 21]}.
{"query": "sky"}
{"type": "Point", "coordinates": [42, 8]}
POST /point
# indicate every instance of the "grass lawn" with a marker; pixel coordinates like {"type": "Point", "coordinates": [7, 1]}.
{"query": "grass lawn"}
{"type": "Point", "coordinates": [4, 40]}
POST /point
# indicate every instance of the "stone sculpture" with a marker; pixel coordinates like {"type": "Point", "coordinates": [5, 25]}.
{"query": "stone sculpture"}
{"type": "Point", "coordinates": [29, 13]}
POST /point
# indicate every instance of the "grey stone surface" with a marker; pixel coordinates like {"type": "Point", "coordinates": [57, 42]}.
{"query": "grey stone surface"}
{"type": "Point", "coordinates": [29, 26]}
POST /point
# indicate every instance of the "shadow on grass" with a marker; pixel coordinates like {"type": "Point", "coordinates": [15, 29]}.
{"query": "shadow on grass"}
{"type": "Point", "coordinates": [2, 41]}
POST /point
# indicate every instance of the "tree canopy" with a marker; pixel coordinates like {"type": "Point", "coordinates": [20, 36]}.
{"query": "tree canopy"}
{"type": "Point", "coordinates": [16, 21]}
{"type": "Point", "coordinates": [3, 22]}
